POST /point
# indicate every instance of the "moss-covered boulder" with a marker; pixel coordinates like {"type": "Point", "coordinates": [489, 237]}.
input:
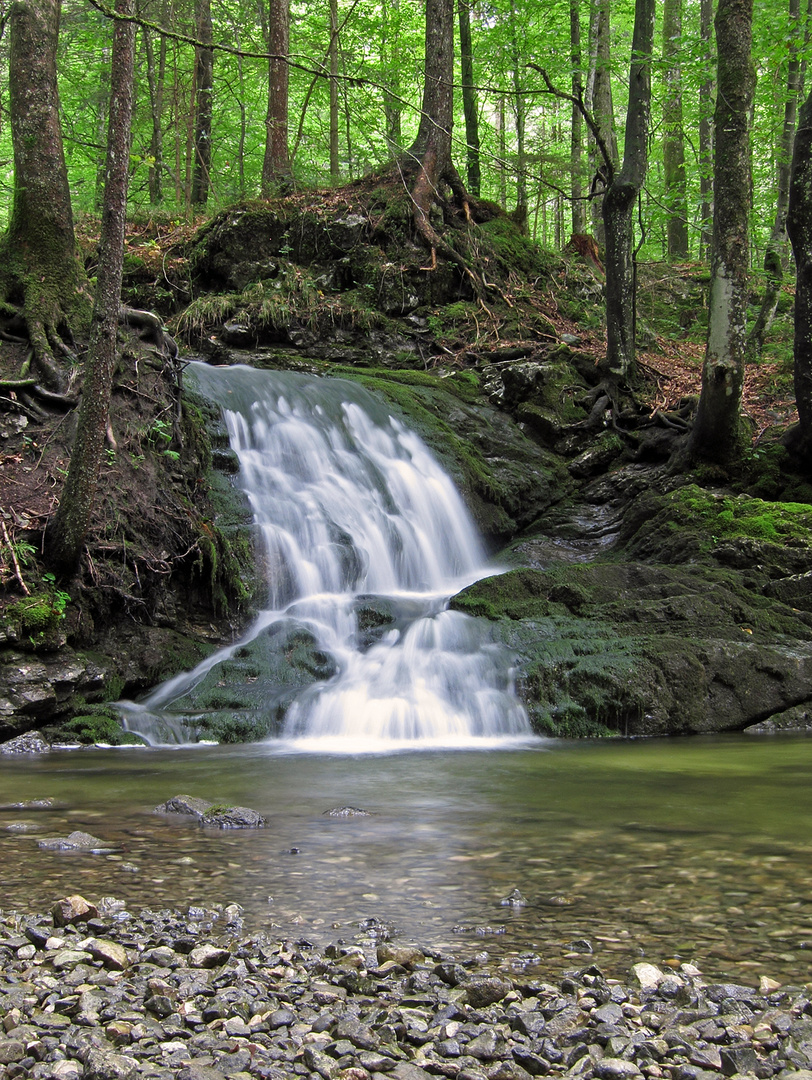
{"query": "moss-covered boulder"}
{"type": "Point", "coordinates": [245, 696]}
{"type": "Point", "coordinates": [637, 649]}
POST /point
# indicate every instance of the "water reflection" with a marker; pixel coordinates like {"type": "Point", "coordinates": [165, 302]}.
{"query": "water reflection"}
{"type": "Point", "coordinates": [676, 850]}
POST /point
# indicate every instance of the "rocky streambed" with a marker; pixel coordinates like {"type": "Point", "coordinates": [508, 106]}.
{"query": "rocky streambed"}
{"type": "Point", "coordinates": [97, 991]}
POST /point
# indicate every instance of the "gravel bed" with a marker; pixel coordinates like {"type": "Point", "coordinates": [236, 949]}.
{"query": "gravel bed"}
{"type": "Point", "coordinates": [93, 991]}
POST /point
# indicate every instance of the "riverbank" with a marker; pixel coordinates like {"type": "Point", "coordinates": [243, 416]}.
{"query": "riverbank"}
{"type": "Point", "coordinates": [101, 992]}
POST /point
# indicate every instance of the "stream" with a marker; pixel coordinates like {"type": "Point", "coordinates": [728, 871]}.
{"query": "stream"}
{"type": "Point", "coordinates": [671, 850]}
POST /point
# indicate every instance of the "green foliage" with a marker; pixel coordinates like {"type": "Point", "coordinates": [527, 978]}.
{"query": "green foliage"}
{"type": "Point", "coordinates": [40, 614]}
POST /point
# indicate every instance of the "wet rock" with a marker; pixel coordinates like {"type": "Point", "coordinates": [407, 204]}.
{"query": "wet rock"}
{"type": "Point", "coordinates": [31, 742]}
{"type": "Point", "coordinates": [184, 804]}
{"type": "Point", "coordinates": [75, 841]}
{"type": "Point", "coordinates": [219, 815]}
{"type": "Point", "coordinates": [346, 811]}
{"type": "Point", "coordinates": [208, 956]}
{"type": "Point", "coordinates": [514, 900]}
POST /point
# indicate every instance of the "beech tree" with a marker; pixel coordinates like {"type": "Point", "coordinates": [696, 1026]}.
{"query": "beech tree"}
{"type": "Point", "coordinates": [277, 174]}
{"type": "Point", "coordinates": [715, 435]}
{"type": "Point", "coordinates": [676, 196]}
{"type": "Point", "coordinates": [40, 269]}
{"type": "Point", "coordinates": [67, 530]}
{"type": "Point", "coordinates": [621, 195]}
{"type": "Point", "coordinates": [204, 87]}
{"type": "Point", "coordinates": [799, 228]}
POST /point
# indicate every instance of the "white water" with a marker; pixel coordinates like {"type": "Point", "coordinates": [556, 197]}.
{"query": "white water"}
{"type": "Point", "coordinates": [350, 504]}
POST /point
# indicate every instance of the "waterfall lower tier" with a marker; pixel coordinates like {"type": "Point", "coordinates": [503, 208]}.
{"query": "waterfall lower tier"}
{"type": "Point", "coordinates": [364, 538]}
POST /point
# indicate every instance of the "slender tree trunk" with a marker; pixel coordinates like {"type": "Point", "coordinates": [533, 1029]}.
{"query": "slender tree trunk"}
{"type": "Point", "coordinates": [716, 435]}
{"type": "Point", "coordinates": [391, 95]}
{"type": "Point", "coordinates": [335, 169]}
{"type": "Point", "coordinates": [676, 194]}
{"type": "Point", "coordinates": [600, 104]}
{"type": "Point", "coordinates": [706, 89]}
{"type": "Point", "coordinates": [204, 84]}
{"type": "Point", "coordinates": [102, 104]}
{"type": "Point", "coordinates": [576, 125]}
{"type": "Point", "coordinates": [66, 534]}
{"type": "Point", "coordinates": [156, 76]}
{"type": "Point", "coordinates": [799, 228]}
{"type": "Point", "coordinates": [276, 170]}
{"type": "Point", "coordinates": [469, 101]}
{"type": "Point", "coordinates": [621, 195]}
{"type": "Point", "coordinates": [773, 256]}
{"type": "Point", "coordinates": [500, 130]}
{"type": "Point", "coordinates": [520, 118]}
{"type": "Point", "coordinates": [38, 256]}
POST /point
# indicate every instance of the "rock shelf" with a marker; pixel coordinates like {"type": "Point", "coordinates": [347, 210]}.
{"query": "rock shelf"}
{"type": "Point", "coordinates": [94, 991]}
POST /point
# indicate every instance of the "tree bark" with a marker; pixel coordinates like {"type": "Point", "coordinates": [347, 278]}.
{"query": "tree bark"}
{"type": "Point", "coordinates": [706, 89]}
{"type": "Point", "coordinates": [277, 175]}
{"type": "Point", "coordinates": [469, 101]}
{"type": "Point", "coordinates": [716, 432]}
{"type": "Point", "coordinates": [40, 264]}
{"type": "Point", "coordinates": [576, 125]}
{"type": "Point", "coordinates": [390, 29]}
{"type": "Point", "coordinates": [799, 228]}
{"type": "Point", "coordinates": [204, 84]}
{"type": "Point", "coordinates": [619, 200]}
{"type": "Point", "coordinates": [156, 75]}
{"type": "Point", "coordinates": [676, 194]}
{"type": "Point", "coordinates": [66, 533]}
{"type": "Point", "coordinates": [599, 102]}
{"type": "Point", "coordinates": [773, 255]}
{"type": "Point", "coordinates": [335, 169]}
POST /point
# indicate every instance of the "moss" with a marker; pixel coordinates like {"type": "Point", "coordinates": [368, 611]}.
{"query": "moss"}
{"type": "Point", "coordinates": [99, 726]}
{"type": "Point", "coordinates": [512, 248]}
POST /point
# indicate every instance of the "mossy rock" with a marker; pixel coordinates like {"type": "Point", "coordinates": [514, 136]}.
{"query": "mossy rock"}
{"type": "Point", "coordinates": [643, 650]}
{"type": "Point", "coordinates": [98, 726]}
{"type": "Point", "coordinates": [693, 524]}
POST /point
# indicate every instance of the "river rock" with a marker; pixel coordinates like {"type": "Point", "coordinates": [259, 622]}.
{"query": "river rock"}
{"type": "Point", "coordinates": [74, 841]}
{"type": "Point", "coordinates": [346, 811]}
{"type": "Point", "coordinates": [31, 742]}
{"type": "Point", "coordinates": [219, 815]}
{"type": "Point", "coordinates": [483, 991]}
{"type": "Point", "coordinates": [73, 909]}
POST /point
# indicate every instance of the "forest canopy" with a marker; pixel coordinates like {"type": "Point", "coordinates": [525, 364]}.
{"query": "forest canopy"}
{"type": "Point", "coordinates": [355, 85]}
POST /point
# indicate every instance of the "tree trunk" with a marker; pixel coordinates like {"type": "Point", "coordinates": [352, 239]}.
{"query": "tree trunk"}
{"type": "Point", "coordinates": [204, 84]}
{"type": "Point", "coordinates": [799, 228]}
{"type": "Point", "coordinates": [706, 127]}
{"type": "Point", "coordinates": [621, 195]}
{"type": "Point", "coordinates": [676, 195]}
{"type": "Point", "coordinates": [335, 169]}
{"type": "Point", "coordinates": [38, 255]}
{"type": "Point", "coordinates": [599, 103]}
{"type": "Point", "coordinates": [156, 75]}
{"type": "Point", "coordinates": [576, 125]}
{"type": "Point", "coordinates": [67, 531]}
{"type": "Point", "coordinates": [773, 256]}
{"type": "Point", "coordinates": [390, 30]}
{"type": "Point", "coordinates": [716, 436]}
{"type": "Point", "coordinates": [469, 102]}
{"type": "Point", "coordinates": [520, 118]}
{"type": "Point", "coordinates": [277, 175]}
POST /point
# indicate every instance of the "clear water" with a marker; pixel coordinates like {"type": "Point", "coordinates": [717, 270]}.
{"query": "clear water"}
{"type": "Point", "coordinates": [353, 509]}
{"type": "Point", "coordinates": [669, 850]}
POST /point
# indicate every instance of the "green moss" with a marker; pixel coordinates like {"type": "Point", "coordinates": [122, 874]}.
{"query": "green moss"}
{"type": "Point", "coordinates": [96, 727]}
{"type": "Point", "coordinates": [512, 248]}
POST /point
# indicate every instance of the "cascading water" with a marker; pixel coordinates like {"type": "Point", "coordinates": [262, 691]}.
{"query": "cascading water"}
{"type": "Point", "coordinates": [365, 539]}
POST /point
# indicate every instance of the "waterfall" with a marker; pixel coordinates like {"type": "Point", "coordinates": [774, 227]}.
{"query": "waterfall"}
{"type": "Point", "coordinates": [365, 539]}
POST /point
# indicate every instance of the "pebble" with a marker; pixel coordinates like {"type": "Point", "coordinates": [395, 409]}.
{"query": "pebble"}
{"type": "Point", "coordinates": [166, 995]}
